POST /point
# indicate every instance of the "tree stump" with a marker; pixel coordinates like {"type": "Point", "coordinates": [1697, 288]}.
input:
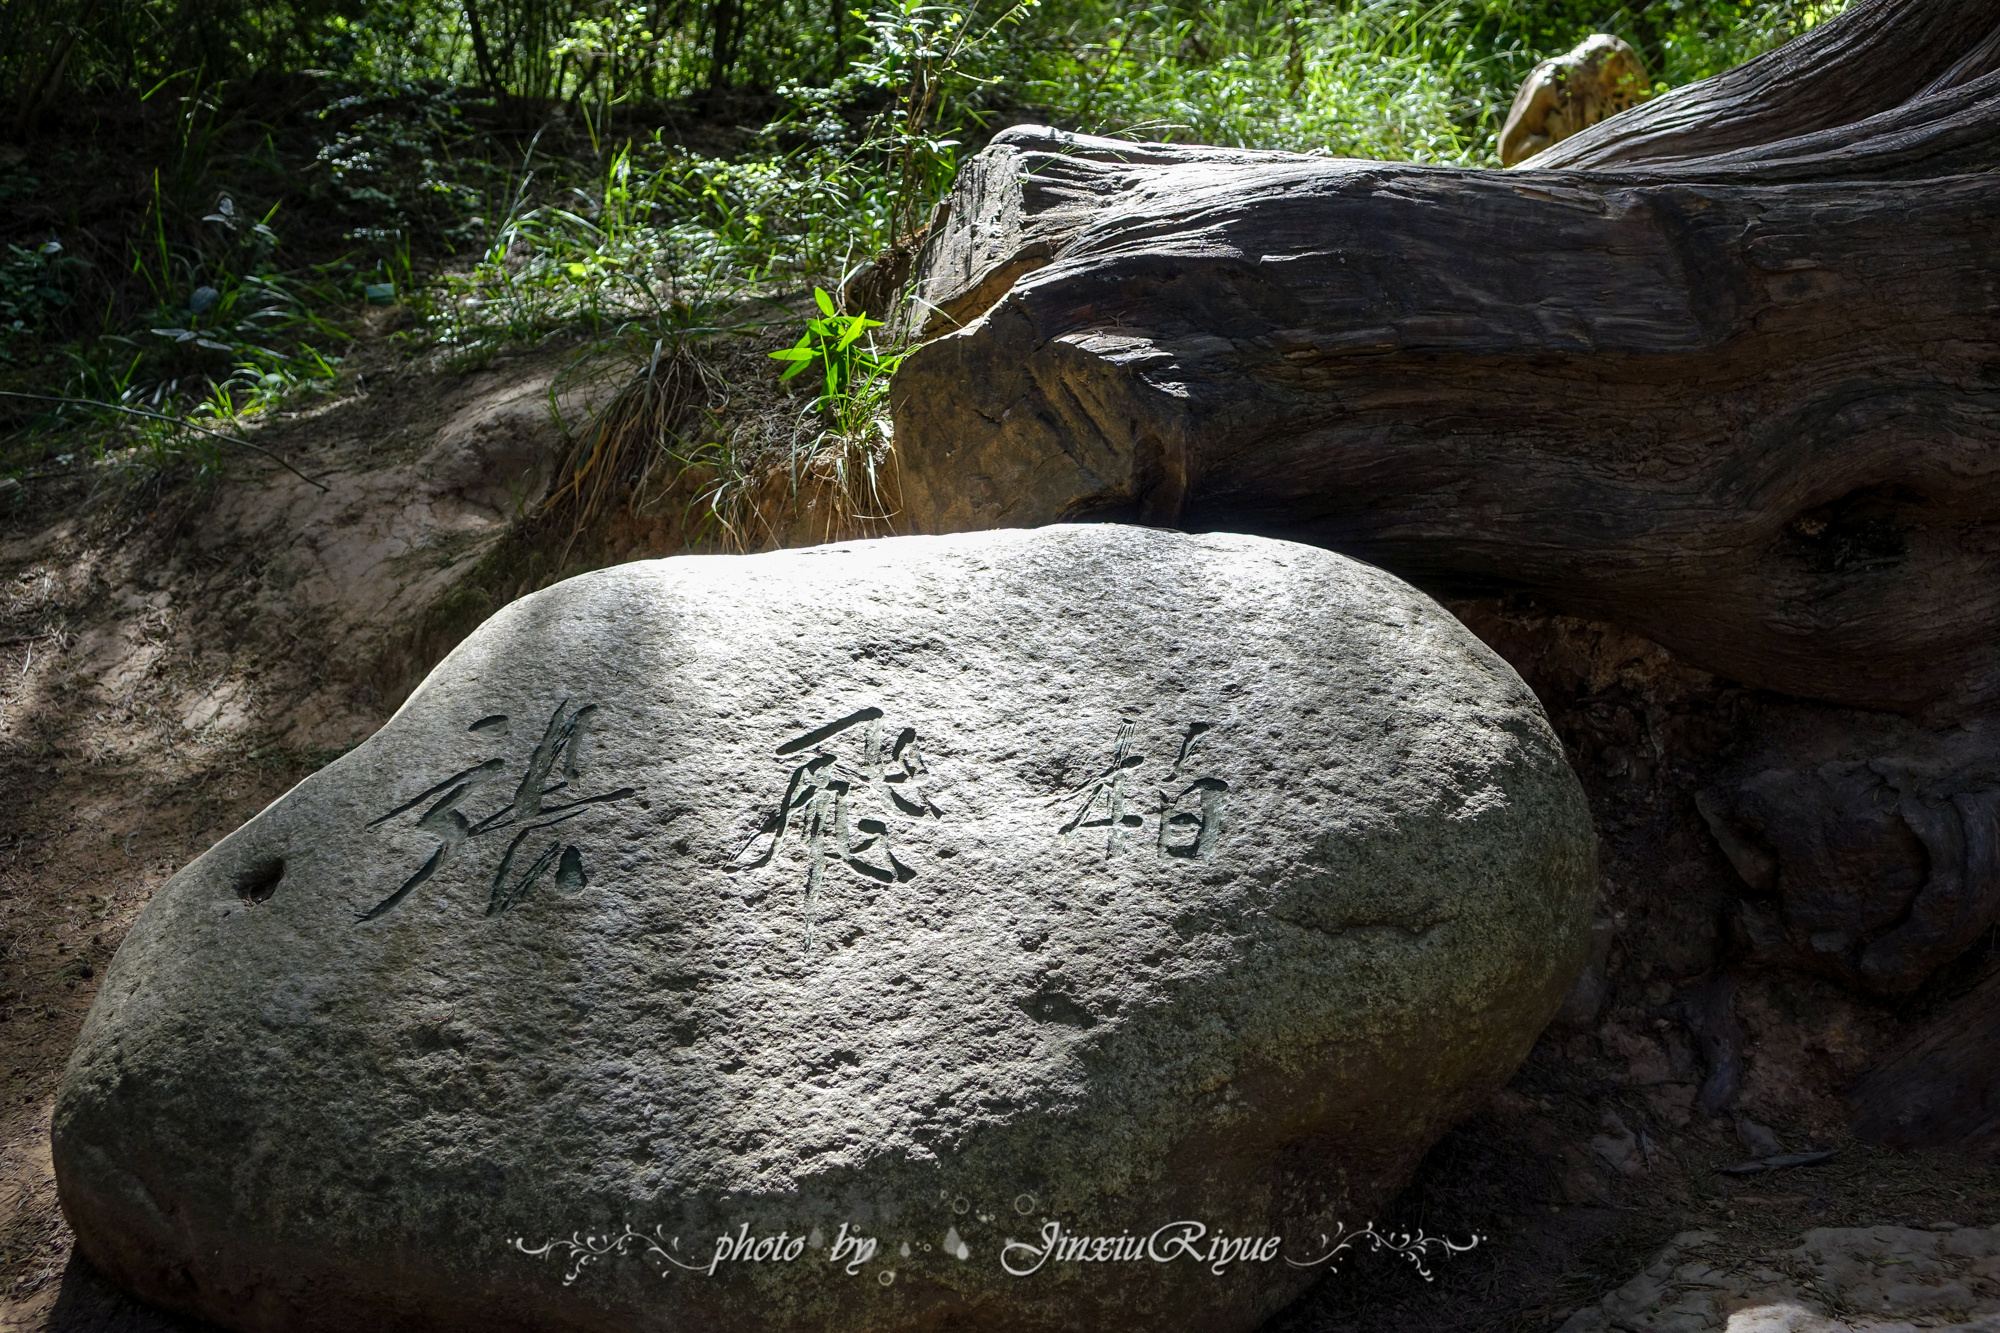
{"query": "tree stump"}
{"type": "Point", "coordinates": [1723, 369]}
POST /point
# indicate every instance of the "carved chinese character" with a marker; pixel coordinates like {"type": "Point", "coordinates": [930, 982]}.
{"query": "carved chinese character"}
{"type": "Point", "coordinates": [1108, 789]}
{"type": "Point", "coordinates": [1189, 809]}
{"type": "Point", "coordinates": [1191, 832]}
{"type": "Point", "coordinates": [840, 805]}
{"type": "Point", "coordinates": [558, 756]}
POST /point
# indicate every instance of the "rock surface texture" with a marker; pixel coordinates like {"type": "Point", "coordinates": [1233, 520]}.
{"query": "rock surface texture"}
{"type": "Point", "coordinates": [1836, 1280]}
{"type": "Point", "coordinates": [1570, 93]}
{"type": "Point", "coordinates": [1872, 868]}
{"type": "Point", "coordinates": [767, 942]}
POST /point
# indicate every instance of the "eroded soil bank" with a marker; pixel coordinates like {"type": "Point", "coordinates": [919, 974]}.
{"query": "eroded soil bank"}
{"type": "Point", "coordinates": [174, 657]}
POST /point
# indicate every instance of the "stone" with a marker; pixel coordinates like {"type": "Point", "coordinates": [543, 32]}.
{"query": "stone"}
{"type": "Point", "coordinates": [1619, 1148]}
{"type": "Point", "coordinates": [1875, 869]}
{"type": "Point", "coordinates": [829, 939]}
{"type": "Point", "coordinates": [1570, 93]}
{"type": "Point", "coordinates": [1758, 1138]}
{"type": "Point", "coordinates": [1882, 1279]}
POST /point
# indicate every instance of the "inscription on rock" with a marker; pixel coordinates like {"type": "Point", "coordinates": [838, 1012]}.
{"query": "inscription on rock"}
{"type": "Point", "coordinates": [849, 781]}
{"type": "Point", "coordinates": [1187, 810]}
{"type": "Point", "coordinates": [989, 779]}
{"type": "Point", "coordinates": [558, 756]}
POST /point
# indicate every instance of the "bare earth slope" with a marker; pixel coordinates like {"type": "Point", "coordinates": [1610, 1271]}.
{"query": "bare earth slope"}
{"type": "Point", "coordinates": [170, 663]}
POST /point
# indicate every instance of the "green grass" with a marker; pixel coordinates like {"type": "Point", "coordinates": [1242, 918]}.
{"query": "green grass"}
{"type": "Point", "coordinates": [626, 207]}
{"type": "Point", "coordinates": [1382, 79]}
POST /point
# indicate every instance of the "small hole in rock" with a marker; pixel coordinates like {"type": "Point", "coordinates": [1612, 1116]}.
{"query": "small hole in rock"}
{"type": "Point", "coordinates": [260, 881]}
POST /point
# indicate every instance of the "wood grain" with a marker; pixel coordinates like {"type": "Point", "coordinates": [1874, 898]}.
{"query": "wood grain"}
{"type": "Point", "coordinates": [1750, 413]}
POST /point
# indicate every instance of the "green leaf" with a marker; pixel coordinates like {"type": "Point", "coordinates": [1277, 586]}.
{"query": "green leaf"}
{"type": "Point", "coordinates": [825, 302]}
{"type": "Point", "coordinates": [793, 371]}
{"type": "Point", "coordinates": [793, 354]}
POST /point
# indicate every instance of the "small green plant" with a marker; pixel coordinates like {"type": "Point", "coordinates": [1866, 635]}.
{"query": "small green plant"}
{"type": "Point", "coordinates": [239, 334]}
{"type": "Point", "coordinates": [34, 285]}
{"type": "Point", "coordinates": [845, 457]}
{"type": "Point", "coordinates": [925, 54]}
{"type": "Point", "coordinates": [833, 343]}
{"type": "Point", "coordinates": [611, 258]}
{"type": "Point", "coordinates": [724, 506]}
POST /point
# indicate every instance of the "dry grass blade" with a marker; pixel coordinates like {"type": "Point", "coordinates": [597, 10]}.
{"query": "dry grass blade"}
{"type": "Point", "coordinates": [632, 434]}
{"type": "Point", "coordinates": [844, 480]}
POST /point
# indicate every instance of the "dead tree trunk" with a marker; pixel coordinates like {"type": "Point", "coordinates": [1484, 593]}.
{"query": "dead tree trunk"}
{"type": "Point", "coordinates": [1724, 369]}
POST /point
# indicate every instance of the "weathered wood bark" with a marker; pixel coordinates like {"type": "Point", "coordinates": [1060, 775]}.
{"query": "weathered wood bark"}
{"type": "Point", "coordinates": [1941, 1089]}
{"type": "Point", "coordinates": [1746, 404]}
{"type": "Point", "coordinates": [1870, 854]}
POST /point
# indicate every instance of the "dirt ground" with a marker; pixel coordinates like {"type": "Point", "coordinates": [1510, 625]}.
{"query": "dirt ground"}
{"type": "Point", "coordinates": [174, 657]}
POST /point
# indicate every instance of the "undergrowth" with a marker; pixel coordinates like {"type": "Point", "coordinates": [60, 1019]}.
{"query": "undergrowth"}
{"type": "Point", "coordinates": [184, 259]}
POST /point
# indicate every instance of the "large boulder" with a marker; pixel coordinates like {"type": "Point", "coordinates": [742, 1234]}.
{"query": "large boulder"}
{"type": "Point", "coordinates": [767, 942]}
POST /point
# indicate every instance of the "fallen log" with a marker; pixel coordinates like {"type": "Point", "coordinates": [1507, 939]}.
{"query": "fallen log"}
{"type": "Point", "coordinates": [1746, 404]}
